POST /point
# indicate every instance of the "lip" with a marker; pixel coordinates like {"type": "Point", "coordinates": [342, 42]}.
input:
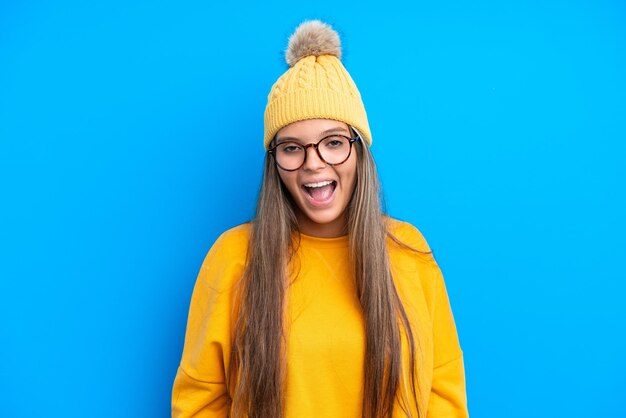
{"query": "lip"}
{"type": "Point", "coordinates": [319, 203]}
{"type": "Point", "coordinates": [317, 181]}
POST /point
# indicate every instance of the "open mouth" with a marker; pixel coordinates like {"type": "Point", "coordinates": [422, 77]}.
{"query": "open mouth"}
{"type": "Point", "coordinates": [321, 191]}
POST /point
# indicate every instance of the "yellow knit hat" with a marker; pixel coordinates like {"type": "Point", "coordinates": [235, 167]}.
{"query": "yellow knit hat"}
{"type": "Point", "coordinates": [316, 86]}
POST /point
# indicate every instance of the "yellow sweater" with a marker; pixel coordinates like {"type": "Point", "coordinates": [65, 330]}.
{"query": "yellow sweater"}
{"type": "Point", "coordinates": [326, 339]}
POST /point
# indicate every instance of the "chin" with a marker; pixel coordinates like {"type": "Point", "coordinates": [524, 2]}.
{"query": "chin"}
{"type": "Point", "coordinates": [322, 219]}
{"type": "Point", "coordinates": [328, 219]}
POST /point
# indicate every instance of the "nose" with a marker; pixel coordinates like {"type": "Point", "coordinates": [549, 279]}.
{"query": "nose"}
{"type": "Point", "coordinates": [312, 160]}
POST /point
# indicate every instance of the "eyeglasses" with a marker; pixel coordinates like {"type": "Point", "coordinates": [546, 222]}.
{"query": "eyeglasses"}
{"type": "Point", "coordinates": [333, 150]}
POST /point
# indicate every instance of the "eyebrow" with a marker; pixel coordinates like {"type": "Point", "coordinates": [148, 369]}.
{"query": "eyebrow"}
{"type": "Point", "coordinates": [322, 134]}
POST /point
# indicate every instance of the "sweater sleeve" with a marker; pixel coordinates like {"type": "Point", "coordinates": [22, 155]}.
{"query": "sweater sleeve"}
{"type": "Point", "coordinates": [199, 388]}
{"type": "Point", "coordinates": [448, 397]}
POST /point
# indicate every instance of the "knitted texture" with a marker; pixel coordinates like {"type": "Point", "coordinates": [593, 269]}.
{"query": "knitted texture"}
{"type": "Point", "coordinates": [315, 87]}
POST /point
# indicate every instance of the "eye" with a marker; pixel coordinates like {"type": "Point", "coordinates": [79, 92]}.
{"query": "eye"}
{"type": "Point", "coordinates": [289, 148]}
{"type": "Point", "coordinates": [333, 142]}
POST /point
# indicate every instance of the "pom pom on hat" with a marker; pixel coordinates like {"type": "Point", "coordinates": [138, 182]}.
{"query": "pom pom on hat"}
{"type": "Point", "coordinates": [312, 37]}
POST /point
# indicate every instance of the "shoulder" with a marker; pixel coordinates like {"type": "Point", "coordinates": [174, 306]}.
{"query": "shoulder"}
{"type": "Point", "coordinates": [415, 269]}
{"type": "Point", "coordinates": [233, 240]}
{"type": "Point", "coordinates": [227, 257]}
{"type": "Point", "coordinates": [406, 234]}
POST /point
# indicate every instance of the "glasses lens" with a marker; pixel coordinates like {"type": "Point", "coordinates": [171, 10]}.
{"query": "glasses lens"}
{"type": "Point", "coordinates": [289, 155]}
{"type": "Point", "coordinates": [335, 149]}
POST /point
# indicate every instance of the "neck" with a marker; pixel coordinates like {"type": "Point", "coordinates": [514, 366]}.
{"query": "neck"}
{"type": "Point", "coordinates": [333, 229]}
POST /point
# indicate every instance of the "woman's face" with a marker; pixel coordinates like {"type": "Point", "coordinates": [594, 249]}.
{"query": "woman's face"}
{"type": "Point", "coordinates": [321, 210]}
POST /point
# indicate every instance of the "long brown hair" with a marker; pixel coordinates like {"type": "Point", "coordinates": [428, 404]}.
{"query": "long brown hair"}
{"type": "Point", "coordinates": [256, 372]}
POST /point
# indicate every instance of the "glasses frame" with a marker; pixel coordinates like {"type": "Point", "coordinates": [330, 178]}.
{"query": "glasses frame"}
{"type": "Point", "coordinates": [315, 145]}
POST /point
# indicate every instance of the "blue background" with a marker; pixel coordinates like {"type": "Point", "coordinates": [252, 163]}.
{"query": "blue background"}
{"type": "Point", "coordinates": [130, 138]}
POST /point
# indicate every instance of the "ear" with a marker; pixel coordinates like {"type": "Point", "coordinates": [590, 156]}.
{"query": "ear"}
{"type": "Point", "coordinates": [355, 132]}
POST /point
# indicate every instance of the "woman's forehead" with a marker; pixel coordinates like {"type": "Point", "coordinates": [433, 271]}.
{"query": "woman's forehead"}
{"type": "Point", "coordinates": [312, 128]}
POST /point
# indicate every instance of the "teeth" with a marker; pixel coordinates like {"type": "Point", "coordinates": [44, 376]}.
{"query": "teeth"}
{"type": "Point", "coordinates": [320, 184]}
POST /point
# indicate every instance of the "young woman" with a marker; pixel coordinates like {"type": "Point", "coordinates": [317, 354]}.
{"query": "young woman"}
{"type": "Point", "coordinates": [322, 306]}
